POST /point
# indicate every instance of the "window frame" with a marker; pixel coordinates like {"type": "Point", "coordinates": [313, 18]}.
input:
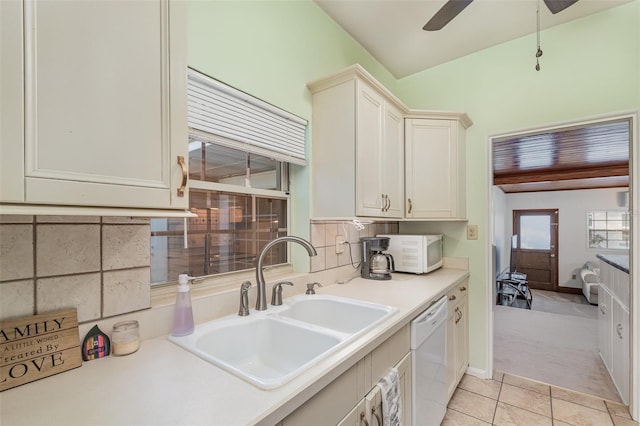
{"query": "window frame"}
{"type": "Point", "coordinates": [588, 229]}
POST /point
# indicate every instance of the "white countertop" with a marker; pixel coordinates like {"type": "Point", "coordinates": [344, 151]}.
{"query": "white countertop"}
{"type": "Point", "coordinates": [162, 384]}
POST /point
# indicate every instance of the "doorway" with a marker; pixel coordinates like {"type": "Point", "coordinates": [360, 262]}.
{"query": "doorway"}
{"type": "Point", "coordinates": [547, 182]}
{"type": "Point", "coordinates": [536, 249]}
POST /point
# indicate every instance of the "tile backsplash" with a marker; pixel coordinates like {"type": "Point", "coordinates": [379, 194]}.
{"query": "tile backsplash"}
{"type": "Point", "coordinates": [100, 265]}
{"type": "Point", "coordinates": [323, 238]}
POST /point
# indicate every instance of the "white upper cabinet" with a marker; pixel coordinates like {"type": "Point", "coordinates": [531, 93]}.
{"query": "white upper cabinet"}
{"type": "Point", "coordinates": [435, 168]}
{"type": "Point", "coordinates": [373, 157]}
{"type": "Point", "coordinates": [358, 153]}
{"type": "Point", "coordinates": [102, 118]}
{"type": "Point", "coordinates": [379, 153]}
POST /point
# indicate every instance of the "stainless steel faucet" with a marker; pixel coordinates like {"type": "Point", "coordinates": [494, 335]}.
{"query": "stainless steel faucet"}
{"type": "Point", "coordinates": [310, 287]}
{"type": "Point", "coordinates": [276, 292]}
{"type": "Point", "coordinates": [261, 302]}
{"type": "Point", "coordinates": [244, 299]}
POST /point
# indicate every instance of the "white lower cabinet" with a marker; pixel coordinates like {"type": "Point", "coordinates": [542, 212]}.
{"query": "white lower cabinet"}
{"type": "Point", "coordinates": [613, 326]}
{"type": "Point", "coordinates": [457, 336]}
{"type": "Point", "coordinates": [620, 349]}
{"type": "Point", "coordinates": [356, 417]}
{"type": "Point", "coordinates": [605, 320]}
{"type": "Point", "coordinates": [354, 397]}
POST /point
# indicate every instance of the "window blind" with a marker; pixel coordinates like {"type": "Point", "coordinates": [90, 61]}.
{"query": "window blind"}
{"type": "Point", "coordinates": [244, 122]}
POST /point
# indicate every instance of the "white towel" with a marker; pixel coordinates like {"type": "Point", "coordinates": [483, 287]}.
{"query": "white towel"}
{"type": "Point", "coordinates": [391, 404]}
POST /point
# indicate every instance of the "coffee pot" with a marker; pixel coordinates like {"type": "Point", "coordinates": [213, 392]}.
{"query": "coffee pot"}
{"type": "Point", "coordinates": [376, 265]}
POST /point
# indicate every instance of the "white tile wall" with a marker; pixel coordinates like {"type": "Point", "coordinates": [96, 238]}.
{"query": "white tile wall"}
{"type": "Point", "coordinates": [17, 299]}
{"type": "Point", "coordinates": [125, 246]}
{"type": "Point", "coordinates": [78, 291]}
{"type": "Point", "coordinates": [323, 237]}
{"type": "Point", "coordinates": [99, 265]}
{"type": "Point", "coordinates": [67, 249]}
{"type": "Point", "coordinates": [126, 291]}
{"type": "Point", "coordinates": [16, 249]}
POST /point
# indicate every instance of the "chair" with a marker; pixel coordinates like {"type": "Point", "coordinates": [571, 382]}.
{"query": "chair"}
{"type": "Point", "coordinates": [513, 290]}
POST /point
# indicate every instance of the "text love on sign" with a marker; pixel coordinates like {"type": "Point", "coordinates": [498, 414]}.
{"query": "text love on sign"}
{"type": "Point", "coordinates": [38, 346]}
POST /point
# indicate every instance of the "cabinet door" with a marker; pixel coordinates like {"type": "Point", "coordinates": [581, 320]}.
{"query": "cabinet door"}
{"type": "Point", "coordinates": [369, 136]}
{"type": "Point", "coordinates": [462, 338]}
{"type": "Point", "coordinates": [105, 103]}
{"type": "Point", "coordinates": [330, 404]}
{"type": "Point", "coordinates": [434, 177]}
{"type": "Point", "coordinates": [605, 320]}
{"type": "Point", "coordinates": [451, 348]}
{"type": "Point", "coordinates": [405, 375]}
{"type": "Point", "coordinates": [356, 417]}
{"type": "Point", "coordinates": [620, 349]}
{"type": "Point", "coordinates": [392, 167]}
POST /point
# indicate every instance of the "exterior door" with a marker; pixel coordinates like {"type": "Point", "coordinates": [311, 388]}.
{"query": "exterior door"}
{"type": "Point", "coordinates": [536, 253]}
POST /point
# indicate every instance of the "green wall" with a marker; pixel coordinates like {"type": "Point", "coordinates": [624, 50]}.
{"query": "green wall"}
{"type": "Point", "coordinates": [589, 67]}
{"type": "Point", "coordinates": [271, 50]}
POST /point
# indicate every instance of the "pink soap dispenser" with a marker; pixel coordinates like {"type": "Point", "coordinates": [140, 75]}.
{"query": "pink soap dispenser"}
{"type": "Point", "coordinates": [183, 313]}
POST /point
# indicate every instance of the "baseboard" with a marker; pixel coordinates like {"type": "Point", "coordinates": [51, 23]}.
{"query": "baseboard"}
{"type": "Point", "coordinates": [571, 290]}
{"type": "Point", "coordinates": [476, 372]}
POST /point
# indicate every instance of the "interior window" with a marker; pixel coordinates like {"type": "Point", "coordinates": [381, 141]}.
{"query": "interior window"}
{"type": "Point", "coordinates": [608, 229]}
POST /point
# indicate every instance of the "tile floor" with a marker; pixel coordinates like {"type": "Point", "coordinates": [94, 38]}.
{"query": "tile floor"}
{"type": "Point", "coordinates": [512, 400]}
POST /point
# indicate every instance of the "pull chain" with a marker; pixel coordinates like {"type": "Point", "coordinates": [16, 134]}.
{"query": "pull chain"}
{"type": "Point", "coordinates": [539, 51]}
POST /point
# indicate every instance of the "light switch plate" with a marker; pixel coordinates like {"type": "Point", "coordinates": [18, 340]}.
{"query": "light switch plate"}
{"type": "Point", "coordinates": [472, 232]}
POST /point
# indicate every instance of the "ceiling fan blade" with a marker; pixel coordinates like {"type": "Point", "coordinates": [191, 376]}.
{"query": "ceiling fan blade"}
{"type": "Point", "coordinates": [450, 10]}
{"type": "Point", "coordinates": [556, 6]}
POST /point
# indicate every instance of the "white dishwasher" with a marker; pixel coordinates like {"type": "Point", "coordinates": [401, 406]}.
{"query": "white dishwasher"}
{"type": "Point", "coordinates": [429, 365]}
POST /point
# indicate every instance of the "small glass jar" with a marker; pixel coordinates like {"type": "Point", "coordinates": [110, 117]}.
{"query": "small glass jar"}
{"type": "Point", "coordinates": [125, 338]}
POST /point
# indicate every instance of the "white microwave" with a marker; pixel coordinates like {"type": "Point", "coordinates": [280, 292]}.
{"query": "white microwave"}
{"type": "Point", "coordinates": [417, 254]}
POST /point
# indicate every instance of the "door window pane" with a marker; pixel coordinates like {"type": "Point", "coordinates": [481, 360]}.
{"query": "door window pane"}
{"type": "Point", "coordinates": [535, 232]}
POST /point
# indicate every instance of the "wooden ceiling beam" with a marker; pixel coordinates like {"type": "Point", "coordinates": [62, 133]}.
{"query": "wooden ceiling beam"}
{"type": "Point", "coordinates": [550, 175]}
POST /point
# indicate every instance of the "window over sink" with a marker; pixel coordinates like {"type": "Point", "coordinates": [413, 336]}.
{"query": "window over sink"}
{"type": "Point", "coordinates": [238, 185]}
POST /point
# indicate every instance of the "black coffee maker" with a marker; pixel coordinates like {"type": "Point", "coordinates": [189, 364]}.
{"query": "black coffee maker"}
{"type": "Point", "coordinates": [376, 265]}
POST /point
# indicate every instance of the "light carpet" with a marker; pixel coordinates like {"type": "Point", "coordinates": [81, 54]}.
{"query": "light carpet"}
{"type": "Point", "coordinates": [554, 348]}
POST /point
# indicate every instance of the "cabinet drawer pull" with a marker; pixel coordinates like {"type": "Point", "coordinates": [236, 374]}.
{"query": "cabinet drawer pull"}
{"type": "Point", "coordinates": [463, 288]}
{"type": "Point", "coordinates": [452, 297]}
{"type": "Point", "coordinates": [363, 419]}
{"type": "Point", "coordinates": [410, 206]}
{"type": "Point", "coordinates": [378, 419]}
{"type": "Point", "coordinates": [183, 185]}
{"type": "Point", "coordinates": [619, 330]}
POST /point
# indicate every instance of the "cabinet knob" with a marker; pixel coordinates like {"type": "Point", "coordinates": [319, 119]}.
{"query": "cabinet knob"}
{"type": "Point", "coordinates": [183, 185]}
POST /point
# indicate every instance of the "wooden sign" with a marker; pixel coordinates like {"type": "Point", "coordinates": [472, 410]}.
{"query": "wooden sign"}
{"type": "Point", "coordinates": [38, 346]}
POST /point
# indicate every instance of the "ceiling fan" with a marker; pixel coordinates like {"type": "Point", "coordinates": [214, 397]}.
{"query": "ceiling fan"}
{"type": "Point", "coordinates": [452, 8]}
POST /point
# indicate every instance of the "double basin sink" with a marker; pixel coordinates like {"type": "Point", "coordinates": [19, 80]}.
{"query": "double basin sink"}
{"type": "Point", "coordinates": [269, 348]}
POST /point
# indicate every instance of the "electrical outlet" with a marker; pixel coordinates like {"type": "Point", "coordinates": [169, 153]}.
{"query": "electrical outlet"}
{"type": "Point", "coordinates": [472, 232]}
{"type": "Point", "coordinates": [339, 244]}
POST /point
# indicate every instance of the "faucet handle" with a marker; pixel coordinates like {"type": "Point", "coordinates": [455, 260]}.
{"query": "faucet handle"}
{"type": "Point", "coordinates": [310, 286]}
{"type": "Point", "coordinates": [244, 299]}
{"type": "Point", "coordinates": [276, 293]}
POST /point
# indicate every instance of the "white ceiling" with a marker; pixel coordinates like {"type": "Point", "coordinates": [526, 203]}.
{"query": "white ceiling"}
{"type": "Point", "coordinates": [391, 30]}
